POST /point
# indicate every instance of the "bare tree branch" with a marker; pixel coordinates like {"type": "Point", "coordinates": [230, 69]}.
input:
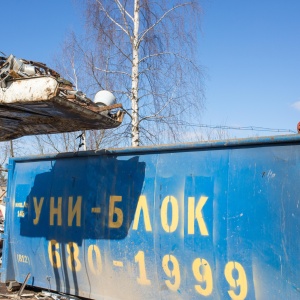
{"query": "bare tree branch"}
{"type": "Point", "coordinates": [112, 19]}
{"type": "Point", "coordinates": [51, 143]}
{"type": "Point", "coordinates": [124, 13]}
{"type": "Point", "coordinates": [112, 72]}
{"type": "Point", "coordinates": [123, 10]}
{"type": "Point", "coordinates": [142, 35]}
{"type": "Point", "coordinates": [158, 112]}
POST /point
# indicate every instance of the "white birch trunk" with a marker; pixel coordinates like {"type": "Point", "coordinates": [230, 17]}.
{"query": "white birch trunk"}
{"type": "Point", "coordinates": [135, 140]}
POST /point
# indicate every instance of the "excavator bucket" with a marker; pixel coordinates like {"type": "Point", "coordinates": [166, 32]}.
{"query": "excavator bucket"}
{"type": "Point", "coordinates": [41, 102]}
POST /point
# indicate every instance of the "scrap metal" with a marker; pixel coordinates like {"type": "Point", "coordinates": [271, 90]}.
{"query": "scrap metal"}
{"type": "Point", "coordinates": [13, 68]}
{"type": "Point", "coordinates": [35, 99]}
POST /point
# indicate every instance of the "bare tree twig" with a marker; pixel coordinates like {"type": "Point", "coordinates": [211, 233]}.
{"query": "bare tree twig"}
{"type": "Point", "coordinates": [112, 72]}
{"type": "Point", "coordinates": [112, 19]}
{"type": "Point", "coordinates": [142, 36]}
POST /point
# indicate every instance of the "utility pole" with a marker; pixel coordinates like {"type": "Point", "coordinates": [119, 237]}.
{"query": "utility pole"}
{"type": "Point", "coordinates": [11, 148]}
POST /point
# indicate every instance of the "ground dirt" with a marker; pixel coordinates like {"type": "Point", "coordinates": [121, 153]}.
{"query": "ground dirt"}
{"type": "Point", "coordinates": [27, 293]}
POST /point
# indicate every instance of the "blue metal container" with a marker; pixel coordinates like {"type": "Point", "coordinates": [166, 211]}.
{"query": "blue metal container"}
{"type": "Point", "coordinates": [196, 221]}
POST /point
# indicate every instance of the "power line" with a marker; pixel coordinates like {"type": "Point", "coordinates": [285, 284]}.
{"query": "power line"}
{"type": "Point", "coordinates": [253, 128]}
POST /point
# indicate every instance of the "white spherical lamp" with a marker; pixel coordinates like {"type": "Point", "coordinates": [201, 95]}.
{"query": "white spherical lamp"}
{"type": "Point", "coordinates": [104, 98]}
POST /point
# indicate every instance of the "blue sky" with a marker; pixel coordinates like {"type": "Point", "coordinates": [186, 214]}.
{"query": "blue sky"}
{"type": "Point", "coordinates": [249, 51]}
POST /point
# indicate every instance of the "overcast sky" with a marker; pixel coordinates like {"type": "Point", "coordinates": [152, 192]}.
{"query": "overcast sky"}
{"type": "Point", "coordinates": [249, 51]}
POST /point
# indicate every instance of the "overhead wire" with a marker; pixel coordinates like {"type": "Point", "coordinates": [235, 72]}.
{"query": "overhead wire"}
{"type": "Point", "coordinates": [253, 128]}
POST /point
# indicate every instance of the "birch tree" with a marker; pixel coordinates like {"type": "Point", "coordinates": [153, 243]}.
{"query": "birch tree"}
{"type": "Point", "coordinates": [144, 51]}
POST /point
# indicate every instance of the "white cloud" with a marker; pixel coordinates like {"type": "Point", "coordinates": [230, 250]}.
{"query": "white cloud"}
{"type": "Point", "coordinates": [296, 105]}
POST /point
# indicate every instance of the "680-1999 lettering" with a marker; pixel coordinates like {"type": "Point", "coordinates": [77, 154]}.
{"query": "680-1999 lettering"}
{"type": "Point", "coordinates": [200, 270]}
